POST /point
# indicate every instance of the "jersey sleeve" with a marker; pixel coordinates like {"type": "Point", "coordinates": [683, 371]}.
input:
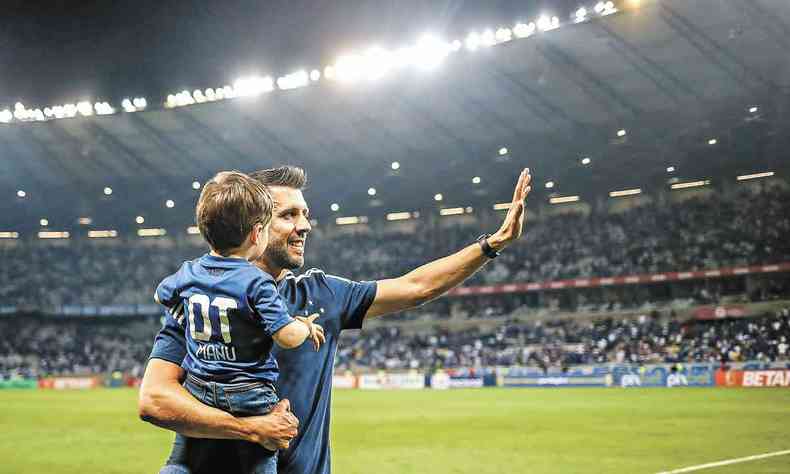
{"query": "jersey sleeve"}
{"type": "Point", "coordinates": [166, 292]}
{"type": "Point", "coordinates": [170, 342]}
{"type": "Point", "coordinates": [355, 298]}
{"type": "Point", "coordinates": [270, 308]}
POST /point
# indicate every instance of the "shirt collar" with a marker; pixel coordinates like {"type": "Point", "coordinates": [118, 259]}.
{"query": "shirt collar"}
{"type": "Point", "coordinates": [214, 261]}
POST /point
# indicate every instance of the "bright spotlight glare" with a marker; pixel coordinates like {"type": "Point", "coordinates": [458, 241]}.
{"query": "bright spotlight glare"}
{"type": "Point", "coordinates": [523, 30]}
{"type": "Point", "coordinates": [504, 35]}
{"type": "Point", "coordinates": [107, 191]}
{"type": "Point", "coordinates": [621, 133]}
{"type": "Point", "coordinates": [544, 23]}
{"type": "Point", "coordinates": [395, 165]}
{"type": "Point", "coordinates": [586, 161]}
{"type": "Point", "coordinates": [315, 75]}
{"type": "Point", "coordinates": [334, 207]}
{"type": "Point", "coordinates": [43, 222]}
{"type": "Point", "coordinates": [195, 184]}
{"type": "Point", "coordinates": [503, 151]}
{"type": "Point", "coordinates": [21, 193]}
{"type": "Point", "coordinates": [599, 7]}
{"type": "Point", "coordinates": [473, 41]}
{"type": "Point", "coordinates": [430, 51]}
{"type": "Point", "coordinates": [169, 203]}
{"type": "Point", "coordinates": [754, 110]}
{"type": "Point", "coordinates": [488, 38]}
{"type": "Point", "coordinates": [376, 62]}
{"type": "Point", "coordinates": [438, 197]}
{"type": "Point", "coordinates": [581, 15]}
{"type": "Point", "coordinates": [476, 180]}
{"type": "Point", "coordinates": [549, 184]}
{"type": "Point", "coordinates": [670, 169]}
{"type": "Point", "coordinates": [140, 102]}
{"type": "Point", "coordinates": [85, 108]}
{"type": "Point", "coordinates": [139, 219]}
{"type": "Point", "coordinates": [712, 141]}
{"type": "Point", "coordinates": [293, 81]}
{"type": "Point", "coordinates": [371, 191]}
{"type": "Point", "coordinates": [6, 116]}
{"type": "Point", "coordinates": [349, 68]}
{"type": "Point", "coordinates": [249, 86]}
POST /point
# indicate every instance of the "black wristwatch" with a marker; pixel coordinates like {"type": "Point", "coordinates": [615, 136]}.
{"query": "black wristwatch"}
{"type": "Point", "coordinates": [488, 251]}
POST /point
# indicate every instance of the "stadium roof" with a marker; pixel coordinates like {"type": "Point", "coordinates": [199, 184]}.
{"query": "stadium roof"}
{"type": "Point", "coordinates": [701, 86]}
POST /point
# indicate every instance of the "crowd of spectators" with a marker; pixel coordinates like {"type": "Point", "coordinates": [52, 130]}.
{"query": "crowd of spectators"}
{"type": "Point", "coordinates": [655, 237]}
{"type": "Point", "coordinates": [566, 343]}
{"type": "Point", "coordinates": [54, 347]}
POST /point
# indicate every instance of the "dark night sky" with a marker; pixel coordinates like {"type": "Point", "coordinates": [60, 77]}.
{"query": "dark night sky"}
{"type": "Point", "coordinates": [53, 52]}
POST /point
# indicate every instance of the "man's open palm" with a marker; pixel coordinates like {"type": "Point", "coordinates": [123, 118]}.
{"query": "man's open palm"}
{"type": "Point", "coordinates": [513, 224]}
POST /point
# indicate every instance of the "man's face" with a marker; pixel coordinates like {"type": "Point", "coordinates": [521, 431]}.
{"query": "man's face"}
{"type": "Point", "coordinates": [288, 230]}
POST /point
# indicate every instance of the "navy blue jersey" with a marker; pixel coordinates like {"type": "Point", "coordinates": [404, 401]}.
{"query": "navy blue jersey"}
{"type": "Point", "coordinates": [229, 310]}
{"type": "Point", "coordinates": [306, 375]}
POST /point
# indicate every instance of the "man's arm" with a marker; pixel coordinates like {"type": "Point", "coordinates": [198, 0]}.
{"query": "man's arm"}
{"type": "Point", "coordinates": [164, 402]}
{"type": "Point", "coordinates": [440, 276]}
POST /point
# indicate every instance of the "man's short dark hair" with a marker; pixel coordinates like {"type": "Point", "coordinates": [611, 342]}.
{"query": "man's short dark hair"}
{"type": "Point", "coordinates": [288, 176]}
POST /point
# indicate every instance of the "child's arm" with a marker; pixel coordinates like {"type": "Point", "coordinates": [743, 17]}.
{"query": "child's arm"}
{"type": "Point", "coordinates": [294, 334]}
{"type": "Point", "coordinates": [287, 332]}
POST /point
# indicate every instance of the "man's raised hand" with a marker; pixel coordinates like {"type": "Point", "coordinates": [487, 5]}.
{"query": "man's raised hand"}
{"type": "Point", "coordinates": [513, 224]}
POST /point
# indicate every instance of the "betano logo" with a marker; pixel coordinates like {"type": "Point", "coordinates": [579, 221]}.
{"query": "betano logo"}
{"type": "Point", "coordinates": [766, 378]}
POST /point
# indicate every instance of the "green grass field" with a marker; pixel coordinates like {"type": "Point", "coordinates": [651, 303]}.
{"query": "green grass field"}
{"type": "Point", "coordinates": [461, 431]}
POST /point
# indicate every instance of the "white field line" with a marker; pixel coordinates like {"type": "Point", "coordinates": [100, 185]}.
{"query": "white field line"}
{"type": "Point", "coordinates": [726, 462]}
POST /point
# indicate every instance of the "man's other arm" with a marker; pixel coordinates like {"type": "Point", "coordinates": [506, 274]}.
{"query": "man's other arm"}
{"type": "Point", "coordinates": [164, 402]}
{"type": "Point", "coordinates": [433, 279]}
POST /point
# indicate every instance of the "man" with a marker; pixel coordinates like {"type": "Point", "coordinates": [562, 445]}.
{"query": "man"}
{"type": "Point", "coordinates": [306, 376]}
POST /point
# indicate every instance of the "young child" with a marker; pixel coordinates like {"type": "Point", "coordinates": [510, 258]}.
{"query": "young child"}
{"type": "Point", "coordinates": [231, 311]}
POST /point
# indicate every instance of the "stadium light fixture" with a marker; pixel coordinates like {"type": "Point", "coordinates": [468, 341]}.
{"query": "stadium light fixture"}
{"type": "Point", "coordinates": [625, 192]}
{"type": "Point", "coordinates": [503, 35]}
{"type": "Point", "coordinates": [502, 206]}
{"type": "Point", "coordinates": [546, 23]}
{"type": "Point", "coordinates": [488, 38]}
{"type": "Point", "coordinates": [580, 15]}
{"type": "Point", "coordinates": [48, 234]}
{"type": "Point", "coordinates": [586, 161]}
{"type": "Point", "coordinates": [549, 184]}
{"type": "Point", "coordinates": [6, 116]}
{"type": "Point", "coordinates": [712, 141]}
{"type": "Point", "coordinates": [473, 41]}
{"type": "Point", "coordinates": [193, 230]}
{"type": "Point", "coordinates": [524, 30]}
{"type": "Point", "coordinates": [334, 207]}
{"type": "Point", "coordinates": [398, 216]}
{"type": "Point", "coordinates": [395, 165]}
{"type": "Point", "coordinates": [140, 103]}
{"type": "Point", "coordinates": [9, 235]}
{"type": "Point", "coordinates": [85, 221]}
{"type": "Point", "coordinates": [170, 204]}
{"type": "Point", "coordinates": [84, 108]}
{"type": "Point", "coordinates": [438, 197]}
{"type": "Point", "coordinates": [746, 177]}
{"type": "Point", "coordinates": [102, 234]}
{"type": "Point", "coordinates": [249, 86]}
{"type": "Point", "coordinates": [151, 232]}
{"type": "Point", "coordinates": [294, 80]}
{"type": "Point", "coordinates": [670, 169]}
{"type": "Point", "coordinates": [371, 191]}
{"type": "Point", "coordinates": [754, 110]}
{"type": "Point", "coordinates": [476, 180]}
{"type": "Point", "coordinates": [21, 193]}
{"type": "Point", "coordinates": [691, 184]}
{"type": "Point", "coordinates": [195, 185]}
{"type": "Point", "coordinates": [563, 199]}
{"type": "Point", "coordinates": [139, 219]}
{"type": "Point", "coordinates": [503, 151]}
{"type": "Point", "coordinates": [451, 211]}
{"type": "Point", "coordinates": [430, 51]}
{"type": "Point", "coordinates": [622, 132]}
{"type": "Point", "coordinates": [315, 75]}
{"type": "Point", "coordinates": [351, 220]}
{"type": "Point", "coordinates": [107, 190]}
{"type": "Point", "coordinates": [43, 222]}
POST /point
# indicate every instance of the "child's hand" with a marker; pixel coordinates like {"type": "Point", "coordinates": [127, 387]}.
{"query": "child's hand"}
{"type": "Point", "coordinates": [316, 331]}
